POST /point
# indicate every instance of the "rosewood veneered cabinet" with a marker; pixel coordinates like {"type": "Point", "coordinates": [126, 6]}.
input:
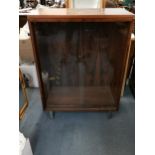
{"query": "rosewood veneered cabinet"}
{"type": "Point", "coordinates": [80, 56]}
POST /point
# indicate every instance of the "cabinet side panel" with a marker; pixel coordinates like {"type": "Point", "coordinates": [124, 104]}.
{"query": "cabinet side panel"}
{"type": "Point", "coordinates": [37, 61]}
{"type": "Point", "coordinates": [122, 39]}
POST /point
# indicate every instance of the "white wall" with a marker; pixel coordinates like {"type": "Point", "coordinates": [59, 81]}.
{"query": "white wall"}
{"type": "Point", "coordinates": [85, 3]}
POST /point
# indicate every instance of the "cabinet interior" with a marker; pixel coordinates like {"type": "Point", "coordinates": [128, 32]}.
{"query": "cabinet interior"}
{"type": "Point", "coordinates": [81, 63]}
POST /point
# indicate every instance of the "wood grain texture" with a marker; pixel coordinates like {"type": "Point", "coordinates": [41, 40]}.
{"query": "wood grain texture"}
{"type": "Point", "coordinates": [80, 96]}
{"type": "Point", "coordinates": [107, 14]}
{"type": "Point", "coordinates": [129, 61]}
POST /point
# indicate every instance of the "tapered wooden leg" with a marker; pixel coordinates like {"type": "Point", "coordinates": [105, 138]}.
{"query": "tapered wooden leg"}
{"type": "Point", "coordinates": [51, 114]}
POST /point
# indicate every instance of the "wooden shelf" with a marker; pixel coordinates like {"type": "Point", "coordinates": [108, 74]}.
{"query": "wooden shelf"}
{"type": "Point", "coordinates": [81, 98]}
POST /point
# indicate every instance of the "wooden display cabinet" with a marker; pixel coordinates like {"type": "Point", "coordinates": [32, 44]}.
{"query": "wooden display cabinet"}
{"type": "Point", "coordinates": [80, 56]}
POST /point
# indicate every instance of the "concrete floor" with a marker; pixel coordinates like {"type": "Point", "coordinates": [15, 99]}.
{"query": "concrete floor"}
{"type": "Point", "coordinates": [80, 133]}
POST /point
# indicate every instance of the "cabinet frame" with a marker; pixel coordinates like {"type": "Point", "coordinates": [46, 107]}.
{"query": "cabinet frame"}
{"type": "Point", "coordinates": [79, 15]}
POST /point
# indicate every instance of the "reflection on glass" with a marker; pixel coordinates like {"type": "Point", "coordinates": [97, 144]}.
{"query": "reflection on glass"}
{"type": "Point", "coordinates": [81, 62]}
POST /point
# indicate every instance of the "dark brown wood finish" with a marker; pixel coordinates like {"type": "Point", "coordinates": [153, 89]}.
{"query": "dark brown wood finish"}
{"type": "Point", "coordinates": [126, 45]}
{"type": "Point", "coordinates": [38, 66]}
{"type": "Point", "coordinates": [22, 21]}
{"type": "Point", "coordinates": [84, 53]}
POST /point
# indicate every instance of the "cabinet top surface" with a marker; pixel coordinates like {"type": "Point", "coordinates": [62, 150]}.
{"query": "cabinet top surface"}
{"type": "Point", "coordinates": [107, 13]}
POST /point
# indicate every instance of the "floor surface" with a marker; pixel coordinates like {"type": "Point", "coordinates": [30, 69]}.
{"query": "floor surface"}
{"type": "Point", "coordinates": [80, 133]}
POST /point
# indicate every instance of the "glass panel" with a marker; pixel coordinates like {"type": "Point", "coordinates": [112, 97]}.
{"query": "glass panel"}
{"type": "Point", "coordinates": [81, 63]}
